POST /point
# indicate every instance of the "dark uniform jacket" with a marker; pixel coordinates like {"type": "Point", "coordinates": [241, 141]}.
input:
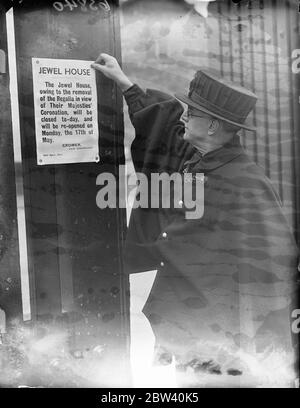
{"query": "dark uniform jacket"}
{"type": "Point", "coordinates": [226, 281]}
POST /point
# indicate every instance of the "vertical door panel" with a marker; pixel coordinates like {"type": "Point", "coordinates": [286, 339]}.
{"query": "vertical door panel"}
{"type": "Point", "coordinates": [77, 281]}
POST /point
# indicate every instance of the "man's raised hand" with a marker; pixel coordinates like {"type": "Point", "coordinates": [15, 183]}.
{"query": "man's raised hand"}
{"type": "Point", "coordinates": [109, 66]}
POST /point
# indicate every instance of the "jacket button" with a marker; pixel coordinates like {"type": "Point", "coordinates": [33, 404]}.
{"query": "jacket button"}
{"type": "Point", "coordinates": [164, 235]}
{"type": "Point", "coordinates": [162, 264]}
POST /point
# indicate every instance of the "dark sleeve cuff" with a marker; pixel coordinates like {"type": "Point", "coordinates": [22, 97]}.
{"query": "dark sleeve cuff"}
{"type": "Point", "coordinates": [128, 91]}
{"type": "Point", "coordinates": [133, 93]}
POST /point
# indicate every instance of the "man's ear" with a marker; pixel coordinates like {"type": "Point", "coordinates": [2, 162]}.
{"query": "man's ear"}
{"type": "Point", "coordinates": [214, 125]}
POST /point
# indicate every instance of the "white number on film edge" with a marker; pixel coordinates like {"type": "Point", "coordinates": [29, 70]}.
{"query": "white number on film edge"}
{"type": "Point", "coordinates": [296, 322]}
{"type": "Point", "coordinates": [71, 4]}
{"type": "Point", "coordinates": [82, 4]}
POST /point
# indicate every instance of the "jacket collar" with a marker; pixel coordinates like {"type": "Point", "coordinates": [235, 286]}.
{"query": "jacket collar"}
{"type": "Point", "coordinates": [215, 158]}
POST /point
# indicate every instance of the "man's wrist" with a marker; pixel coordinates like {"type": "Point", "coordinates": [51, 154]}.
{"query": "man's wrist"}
{"type": "Point", "coordinates": [124, 84]}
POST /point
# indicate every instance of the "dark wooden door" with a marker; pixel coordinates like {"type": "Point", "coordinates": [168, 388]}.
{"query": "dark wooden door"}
{"type": "Point", "coordinates": [77, 286]}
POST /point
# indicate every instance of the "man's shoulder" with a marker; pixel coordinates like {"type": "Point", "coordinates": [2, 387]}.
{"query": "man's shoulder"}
{"type": "Point", "coordinates": [243, 164]}
{"type": "Point", "coordinates": [165, 101]}
{"type": "Point", "coordinates": [244, 173]}
{"type": "Point", "coordinates": [160, 96]}
{"type": "Point", "coordinates": [150, 94]}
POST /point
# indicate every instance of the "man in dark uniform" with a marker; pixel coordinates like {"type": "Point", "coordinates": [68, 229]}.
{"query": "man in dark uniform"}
{"type": "Point", "coordinates": [221, 300]}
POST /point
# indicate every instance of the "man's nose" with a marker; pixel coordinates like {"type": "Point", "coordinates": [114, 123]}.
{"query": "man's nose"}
{"type": "Point", "coordinates": [185, 117]}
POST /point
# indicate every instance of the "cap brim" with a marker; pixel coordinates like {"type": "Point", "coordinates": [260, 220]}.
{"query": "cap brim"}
{"type": "Point", "coordinates": [185, 99]}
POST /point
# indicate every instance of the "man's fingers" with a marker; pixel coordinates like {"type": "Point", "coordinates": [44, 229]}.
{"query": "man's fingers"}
{"type": "Point", "coordinates": [104, 58]}
{"type": "Point", "coordinates": [100, 59]}
{"type": "Point", "coordinates": [99, 67]}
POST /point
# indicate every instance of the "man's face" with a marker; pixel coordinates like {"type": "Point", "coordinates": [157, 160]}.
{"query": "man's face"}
{"type": "Point", "coordinates": [196, 125]}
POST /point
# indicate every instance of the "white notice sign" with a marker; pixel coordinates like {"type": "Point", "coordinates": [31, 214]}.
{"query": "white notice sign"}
{"type": "Point", "coordinates": [65, 104]}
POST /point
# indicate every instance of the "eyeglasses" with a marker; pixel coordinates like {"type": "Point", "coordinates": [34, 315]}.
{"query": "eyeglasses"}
{"type": "Point", "coordinates": [189, 114]}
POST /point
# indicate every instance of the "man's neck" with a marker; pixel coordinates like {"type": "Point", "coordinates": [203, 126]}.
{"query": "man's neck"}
{"type": "Point", "coordinates": [206, 147]}
{"type": "Point", "coordinates": [210, 145]}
